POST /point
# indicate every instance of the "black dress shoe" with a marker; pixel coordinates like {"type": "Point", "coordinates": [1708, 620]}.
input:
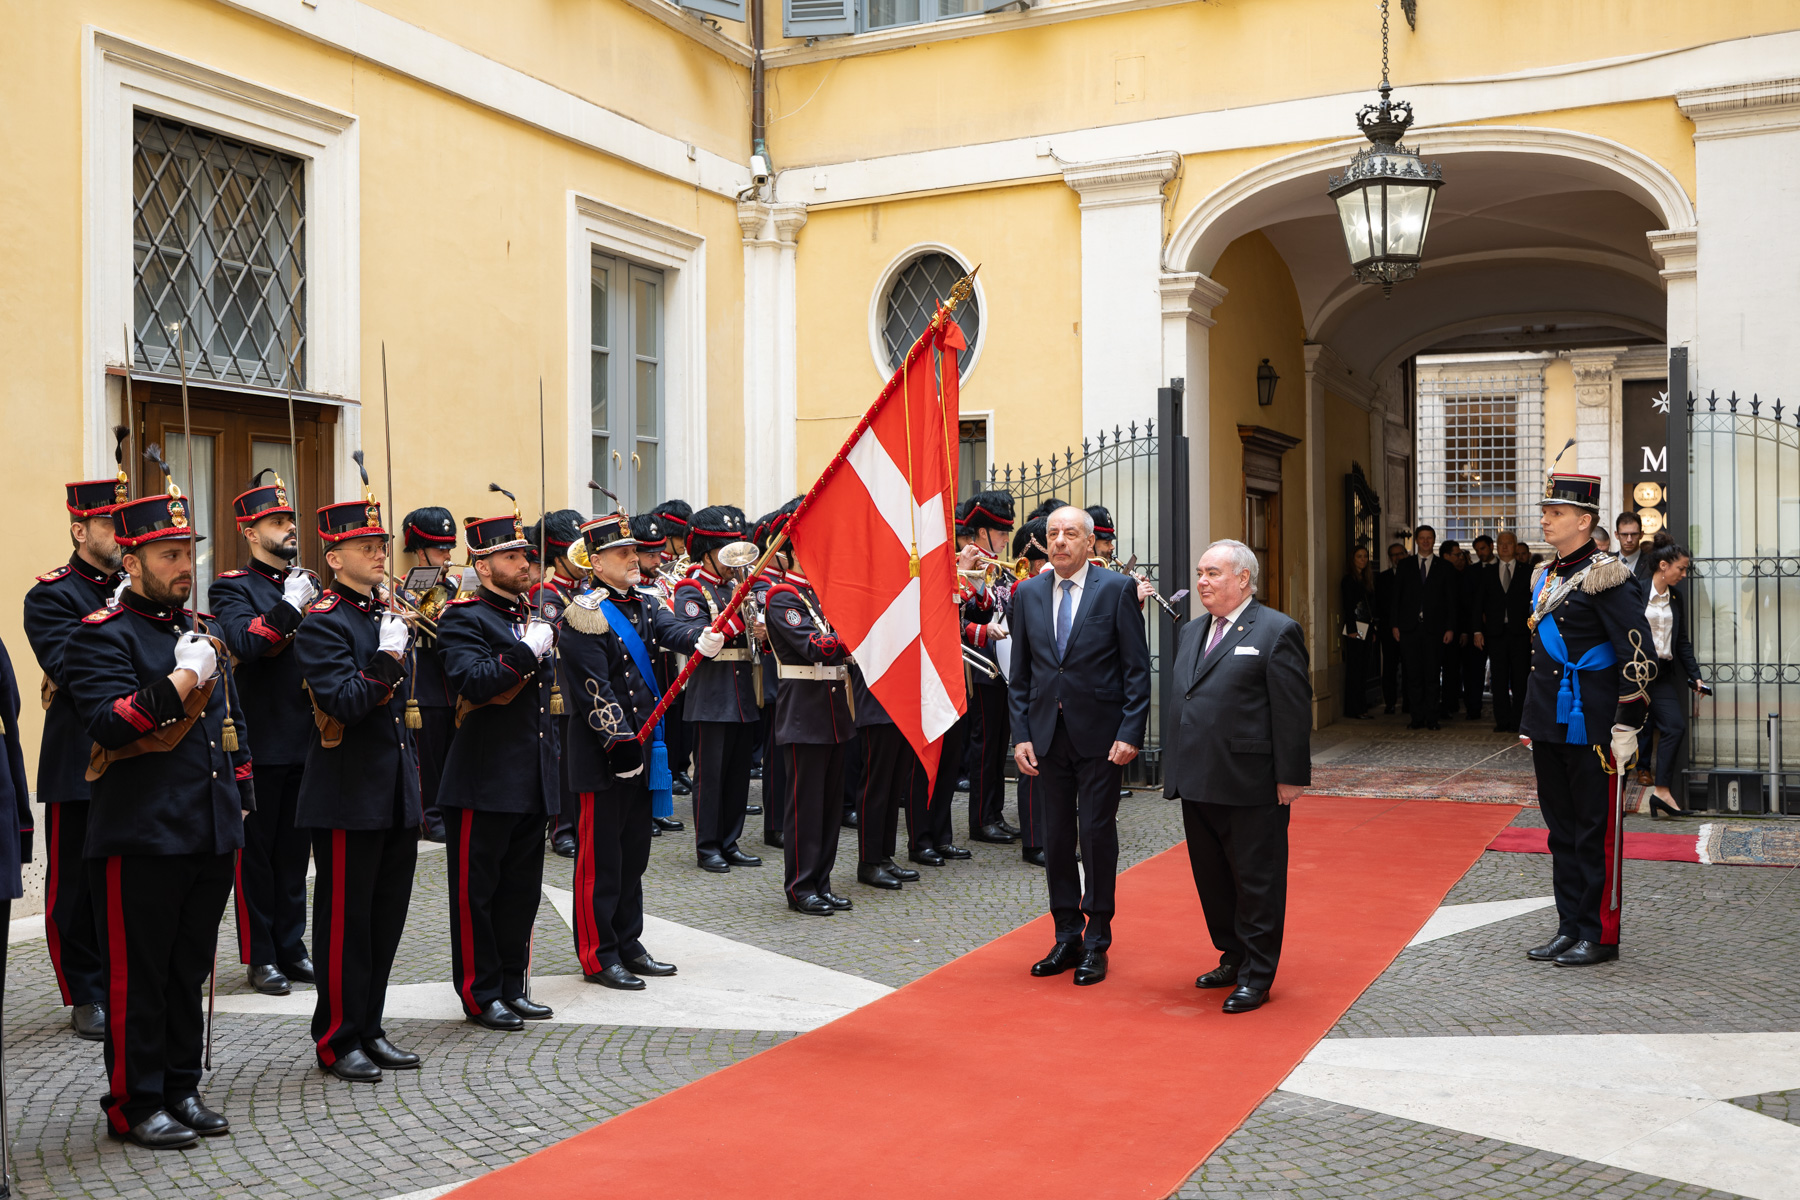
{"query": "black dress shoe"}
{"type": "Point", "coordinates": [715, 863]}
{"type": "Point", "coordinates": [645, 965]}
{"type": "Point", "coordinates": [1220, 976]}
{"type": "Point", "coordinates": [681, 785]}
{"type": "Point", "coordinates": [1245, 999]}
{"type": "Point", "coordinates": [756, 772]}
{"type": "Point", "coordinates": [954, 852]}
{"type": "Point", "coordinates": [1433, 725]}
{"type": "Point", "coordinates": [190, 1111]}
{"type": "Point", "coordinates": [816, 906]}
{"type": "Point", "coordinates": [1009, 830]}
{"type": "Point", "coordinates": [654, 831]}
{"type": "Point", "coordinates": [618, 978]}
{"type": "Point", "coordinates": [876, 876]}
{"type": "Point", "coordinates": [563, 845]}
{"type": "Point", "coordinates": [1092, 968]}
{"type": "Point", "coordinates": [753, 810]}
{"type": "Point", "coordinates": [300, 971]}
{"type": "Point", "coordinates": [89, 1022]}
{"type": "Point", "coordinates": [928, 856]}
{"type": "Point", "coordinates": [497, 1016]}
{"type": "Point", "coordinates": [994, 834]}
{"type": "Point", "coordinates": [354, 1067]}
{"type": "Point", "coordinates": [1034, 855]}
{"type": "Point", "coordinates": [841, 903]}
{"type": "Point", "coordinates": [530, 1010]}
{"type": "Point", "coordinates": [851, 819]}
{"type": "Point", "coordinates": [268, 979]}
{"type": "Point", "coordinates": [738, 858]}
{"type": "Point", "coordinates": [388, 1056]}
{"type": "Point", "coordinates": [1550, 949]}
{"type": "Point", "coordinates": [158, 1131]}
{"type": "Point", "coordinates": [775, 838]}
{"type": "Point", "coordinates": [903, 874]}
{"type": "Point", "coordinates": [667, 824]}
{"type": "Point", "coordinates": [962, 785]}
{"type": "Point", "coordinates": [1062, 956]}
{"type": "Point", "coordinates": [1586, 954]}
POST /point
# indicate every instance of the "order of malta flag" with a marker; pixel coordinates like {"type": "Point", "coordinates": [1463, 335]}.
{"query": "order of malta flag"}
{"type": "Point", "coordinates": [891, 493]}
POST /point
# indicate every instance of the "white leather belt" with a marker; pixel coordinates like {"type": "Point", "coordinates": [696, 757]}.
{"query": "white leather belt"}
{"type": "Point", "coordinates": [813, 671]}
{"type": "Point", "coordinates": [739, 654]}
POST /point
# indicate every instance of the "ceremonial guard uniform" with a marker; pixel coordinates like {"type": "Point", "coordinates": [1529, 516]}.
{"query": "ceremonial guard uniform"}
{"type": "Point", "coordinates": [812, 724]}
{"type": "Point", "coordinates": [259, 610]}
{"type": "Point", "coordinates": [500, 785]}
{"type": "Point", "coordinates": [1592, 660]}
{"type": "Point", "coordinates": [557, 531]}
{"type": "Point", "coordinates": [170, 778]}
{"type": "Point", "coordinates": [605, 664]}
{"type": "Point", "coordinates": [774, 775]}
{"type": "Point", "coordinates": [54, 608]}
{"type": "Point", "coordinates": [651, 541]}
{"type": "Point", "coordinates": [359, 799]}
{"type": "Point", "coordinates": [721, 701]}
{"type": "Point", "coordinates": [674, 517]}
{"type": "Point", "coordinates": [431, 529]}
{"type": "Point", "coordinates": [988, 731]}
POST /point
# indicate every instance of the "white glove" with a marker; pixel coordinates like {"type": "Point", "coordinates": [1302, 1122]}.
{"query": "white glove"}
{"type": "Point", "coordinates": [710, 643]}
{"type": "Point", "coordinates": [635, 771]}
{"type": "Point", "coordinates": [195, 653]}
{"type": "Point", "coordinates": [119, 592]}
{"type": "Point", "coordinates": [297, 589]}
{"type": "Point", "coordinates": [539, 636]}
{"type": "Point", "coordinates": [1624, 746]}
{"type": "Point", "coordinates": [394, 633]}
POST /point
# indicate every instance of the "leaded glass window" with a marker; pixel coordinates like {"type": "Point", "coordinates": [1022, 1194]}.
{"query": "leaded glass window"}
{"type": "Point", "coordinates": [914, 296]}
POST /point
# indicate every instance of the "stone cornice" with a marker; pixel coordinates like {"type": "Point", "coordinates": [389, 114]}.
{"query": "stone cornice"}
{"type": "Point", "coordinates": [1678, 249]}
{"type": "Point", "coordinates": [1324, 366]}
{"type": "Point", "coordinates": [765, 224]}
{"type": "Point", "coordinates": [1191, 293]}
{"type": "Point", "coordinates": [1132, 179]}
{"type": "Point", "coordinates": [1742, 109]}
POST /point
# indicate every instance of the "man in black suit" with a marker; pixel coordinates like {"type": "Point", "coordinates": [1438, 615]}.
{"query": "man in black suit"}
{"type": "Point", "coordinates": [1080, 700]}
{"type": "Point", "coordinates": [1504, 601]}
{"type": "Point", "coordinates": [1423, 623]}
{"type": "Point", "coordinates": [1385, 584]}
{"type": "Point", "coordinates": [1238, 756]}
{"type": "Point", "coordinates": [1468, 606]}
{"type": "Point", "coordinates": [1633, 550]}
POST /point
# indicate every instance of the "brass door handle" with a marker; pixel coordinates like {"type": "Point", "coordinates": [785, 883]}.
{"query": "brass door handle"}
{"type": "Point", "coordinates": [636, 464]}
{"type": "Point", "coordinates": [617, 461]}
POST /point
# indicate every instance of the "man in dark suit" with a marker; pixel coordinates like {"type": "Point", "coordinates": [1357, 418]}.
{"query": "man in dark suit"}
{"type": "Point", "coordinates": [1080, 700]}
{"type": "Point", "coordinates": [1238, 756]}
{"type": "Point", "coordinates": [1423, 623]}
{"type": "Point", "coordinates": [1474, 655]}
{"type": "Point", "coordinates": [1385, 584]}
{"type": "Point", "coordinates": [1504, 601]}
{"type": "Point", "coordinates": [1634, 550]}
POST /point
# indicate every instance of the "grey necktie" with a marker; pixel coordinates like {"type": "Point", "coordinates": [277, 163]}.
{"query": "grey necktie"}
{"type": "Point", "coordinates": [1064, 607]}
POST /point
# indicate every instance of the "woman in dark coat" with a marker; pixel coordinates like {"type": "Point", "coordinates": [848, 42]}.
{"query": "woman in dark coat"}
{"type": "Point", "coordinates": [1677, 672]}
{"type": "Point", "coordinates": [1356, 601]}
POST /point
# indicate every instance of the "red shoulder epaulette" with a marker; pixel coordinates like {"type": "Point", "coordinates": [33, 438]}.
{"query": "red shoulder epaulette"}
{"type": "Point", "coordinates": [102, 614]}
{"type": "Point", "coordinates": [325, 603]}
{"type": "Point", "coordinates": [690, 581]}
{"type": "Point", "coordinates": [53, 576]}
{"type": "Point", "coordinates": [462, 600]}
{"type": "Point", "coordinates": [786, 587]}
{"type": "Point", "coordinates": [235, 573]}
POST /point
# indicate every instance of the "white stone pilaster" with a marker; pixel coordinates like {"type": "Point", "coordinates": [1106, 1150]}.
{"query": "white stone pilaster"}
{"type": "Point", "coordinates": [1597, 423]}
{"type": "Point", "coordinates": [1188, 299]}
{"type": "Point", "coordinates": [771, 378]}
{"type": "Point", "coordinates": [1679, 252]}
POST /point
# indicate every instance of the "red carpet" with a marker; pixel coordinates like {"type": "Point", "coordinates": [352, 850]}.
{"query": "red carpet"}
{"type": "Point", "coordinates": [979, 1081]}
{"type": "Point", "coordinates": [1656, 847]}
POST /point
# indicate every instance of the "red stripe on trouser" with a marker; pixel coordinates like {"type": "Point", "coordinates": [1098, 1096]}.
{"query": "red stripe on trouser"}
{"type": "Point", "coordinates": [52, 880]}
{"type": "Point", "coordinates": [465, 936]}
{"type": "Point", "coordinates": [118, 979]}
{"type": "Point", "coordinates": [243, 909]}
{"type": "Point", "coordinates": [334, 956]}
{"type": "Point", "coordinates": [1612, 890]}
{"type": "Point", "coordinates": [587, 925]}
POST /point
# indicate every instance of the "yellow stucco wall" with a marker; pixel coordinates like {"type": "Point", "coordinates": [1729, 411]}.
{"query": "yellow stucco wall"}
{"type": "Point", "coordinates": [1346, 442]}
{"type": "Point", "coordinates": [1559, 413]}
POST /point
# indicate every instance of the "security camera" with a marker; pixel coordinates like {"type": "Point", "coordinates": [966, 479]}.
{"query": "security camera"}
{"type": "Point", "coordinates": [759, 170]}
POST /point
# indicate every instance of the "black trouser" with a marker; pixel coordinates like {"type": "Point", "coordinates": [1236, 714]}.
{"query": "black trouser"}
{"type": "Point", "coordinates": [1239, 855]}
{"type": "Point", "coordinates": [722, 756]}
{"type": "Point", "coordinates": [271, 872]}
{"type": "Point", "coordinates": [1356, 676]}
{"type": "Point", "coordinates": [1031, 813]}
{"type": "Point", "coordinates": [815, 776]}
{"type": "Point", "coordinates": [612, 849]}
{"type": "Point", "coordinates": [854, 761]}
{"type": "Point", "coordinates": [678, 738]}
{"type": "Point", "coordinates": [496, 872]}
{"type": "Point", "coordinates": [159, 933]}
{"type": "Point", "coordinates": [1510, 654]}
{"type": "Point", "coordinates": [928, 802]}
{"type": "Point", "coordinates": [986, 757]}
{"type": "Point", "coordinates": [774, 780]}
{"type": "Point", "coordinates": [1390, 672]}
{"type": "Point", "coordinates": [1080, 795]}
{"type": "Point", "coordinates": [564, 820]}
{"type": "Point", "coordinates": [1474, 664]}
{"type": "Point", "coordinates": [1667, 723]}
{"type": "Point", "coordinates": [70, 917]}
{"type": "Point", "coordinates": [886, 779]}
{"type": "Point", "coordinates": [1580, 804]}
{"type": "Point", "coordinates": [433, 739]}
{"type": "Point", "coordinates": [1450, 689]}
{"type": "Point", "coordinates": [360, 897]}
{"type": "Point", "coordinates": [1423, 652]}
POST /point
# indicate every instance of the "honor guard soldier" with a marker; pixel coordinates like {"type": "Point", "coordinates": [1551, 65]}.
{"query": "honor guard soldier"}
{"type": "Point", "coordinates": [562, 582]}
{"type": "Point", "coordinates": [989, 520]}
{"type": "Point", "coordinates": [171, 781]}
{"type": "Point", "coordinates": [812, 725]}
{"type": "Point", "coordinates": [500, 782]}
{"type": "Point", "coordinates": [651, 541]}
{"type": "Point", "coordinates": [1592, 660]}
{"type": "Point", "coordinates": [606, 666]}
{"type": "Point", "coordinates": [430, 537]}
{"type": "Point", "coordinates": [359, 797]}
{"type": "Point", "coordinates": [1028, 544]}
{"type": "Point", "coordinates": [259, 610]}
{"type": "Point", "coordinates": [675, 516]}
{"type": "Point", "coordinates": [722, 702]}
{"type": "Point", "coordinates": [54, 608]}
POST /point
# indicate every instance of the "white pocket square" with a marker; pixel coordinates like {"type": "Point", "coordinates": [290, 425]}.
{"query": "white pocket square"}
{"type": "Point", "coordinates": [1246, 650]}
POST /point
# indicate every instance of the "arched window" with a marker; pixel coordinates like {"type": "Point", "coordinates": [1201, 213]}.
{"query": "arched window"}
{"type": "Point", "coordinates": [913, 297]}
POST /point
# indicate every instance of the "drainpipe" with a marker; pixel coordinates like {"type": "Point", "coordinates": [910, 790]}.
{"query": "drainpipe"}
{"type": "Point", "coordinates": [759, 121]}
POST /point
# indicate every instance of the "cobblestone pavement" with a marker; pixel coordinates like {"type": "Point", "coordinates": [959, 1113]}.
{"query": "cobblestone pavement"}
{"type": "Point", "coordinates": [1707, 948]}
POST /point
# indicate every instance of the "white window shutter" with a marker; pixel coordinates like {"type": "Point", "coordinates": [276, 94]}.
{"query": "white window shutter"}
{"type": "Point", "coordinates": [730, 10]}
{"type": "Point", "coordinates": [814, 18]}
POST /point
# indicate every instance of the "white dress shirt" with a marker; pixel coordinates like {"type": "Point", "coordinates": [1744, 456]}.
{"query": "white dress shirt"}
{"type": "Point", "coordinates": [1230, 620]}
{"type": "Point", "coordinates": [1661, 615]}
{"type": "Point", "coordinates": [1079, 579]}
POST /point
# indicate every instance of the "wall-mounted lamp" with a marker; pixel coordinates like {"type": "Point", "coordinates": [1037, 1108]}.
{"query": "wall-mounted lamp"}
{"type": "Point", "coordinates": [1266, 379]}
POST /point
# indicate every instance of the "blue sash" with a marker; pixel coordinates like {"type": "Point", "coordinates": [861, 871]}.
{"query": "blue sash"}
{"type": "Point", "coordinates": [662, 797]}
{"type": "Point", "coordinates": [1568, 695]}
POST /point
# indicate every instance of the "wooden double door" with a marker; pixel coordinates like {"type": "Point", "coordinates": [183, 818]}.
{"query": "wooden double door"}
{"type": "Point", "coordinates": [234, 437]}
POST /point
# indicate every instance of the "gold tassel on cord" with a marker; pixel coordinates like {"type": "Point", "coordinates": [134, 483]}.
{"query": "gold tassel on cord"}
{"type": "Point", "coordinates": [414, 718]}
{"type": "Point", "coordinates": [556, 700]}
{"type": "Point", "coordinates": [228, 736]}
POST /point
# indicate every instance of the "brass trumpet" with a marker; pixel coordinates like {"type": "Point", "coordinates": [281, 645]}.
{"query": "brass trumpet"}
{"type": "Point", "coordinates": [400, 602]}
{"type": "Point", "coordinates": [1020, 567]}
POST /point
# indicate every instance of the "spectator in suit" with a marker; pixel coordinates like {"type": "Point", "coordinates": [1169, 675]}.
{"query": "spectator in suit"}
{"type": "Point", "coordinates": [1633, 551]}
{"type": "Point", "coordinates": [1356, 603]}
{"type": "Point", "coordinates": [1503, 602]}
{"type": "Point", "coordinates": [1677, 672]}
{"type": "Point", "coordinates": [1385, 583]}
{"type": "Point", "coordinates": [1603, 541]}
{"type": "Point", "coordinates": [1424, 624]}
{"type": "Point", "coordinates": [1450, 688]}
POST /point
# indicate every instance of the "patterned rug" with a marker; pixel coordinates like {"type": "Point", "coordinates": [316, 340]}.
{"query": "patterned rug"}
{"type": "Point", "coordinates": [1750, 843]}
{"type": "Point", "coordinates": [1479, 786]}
